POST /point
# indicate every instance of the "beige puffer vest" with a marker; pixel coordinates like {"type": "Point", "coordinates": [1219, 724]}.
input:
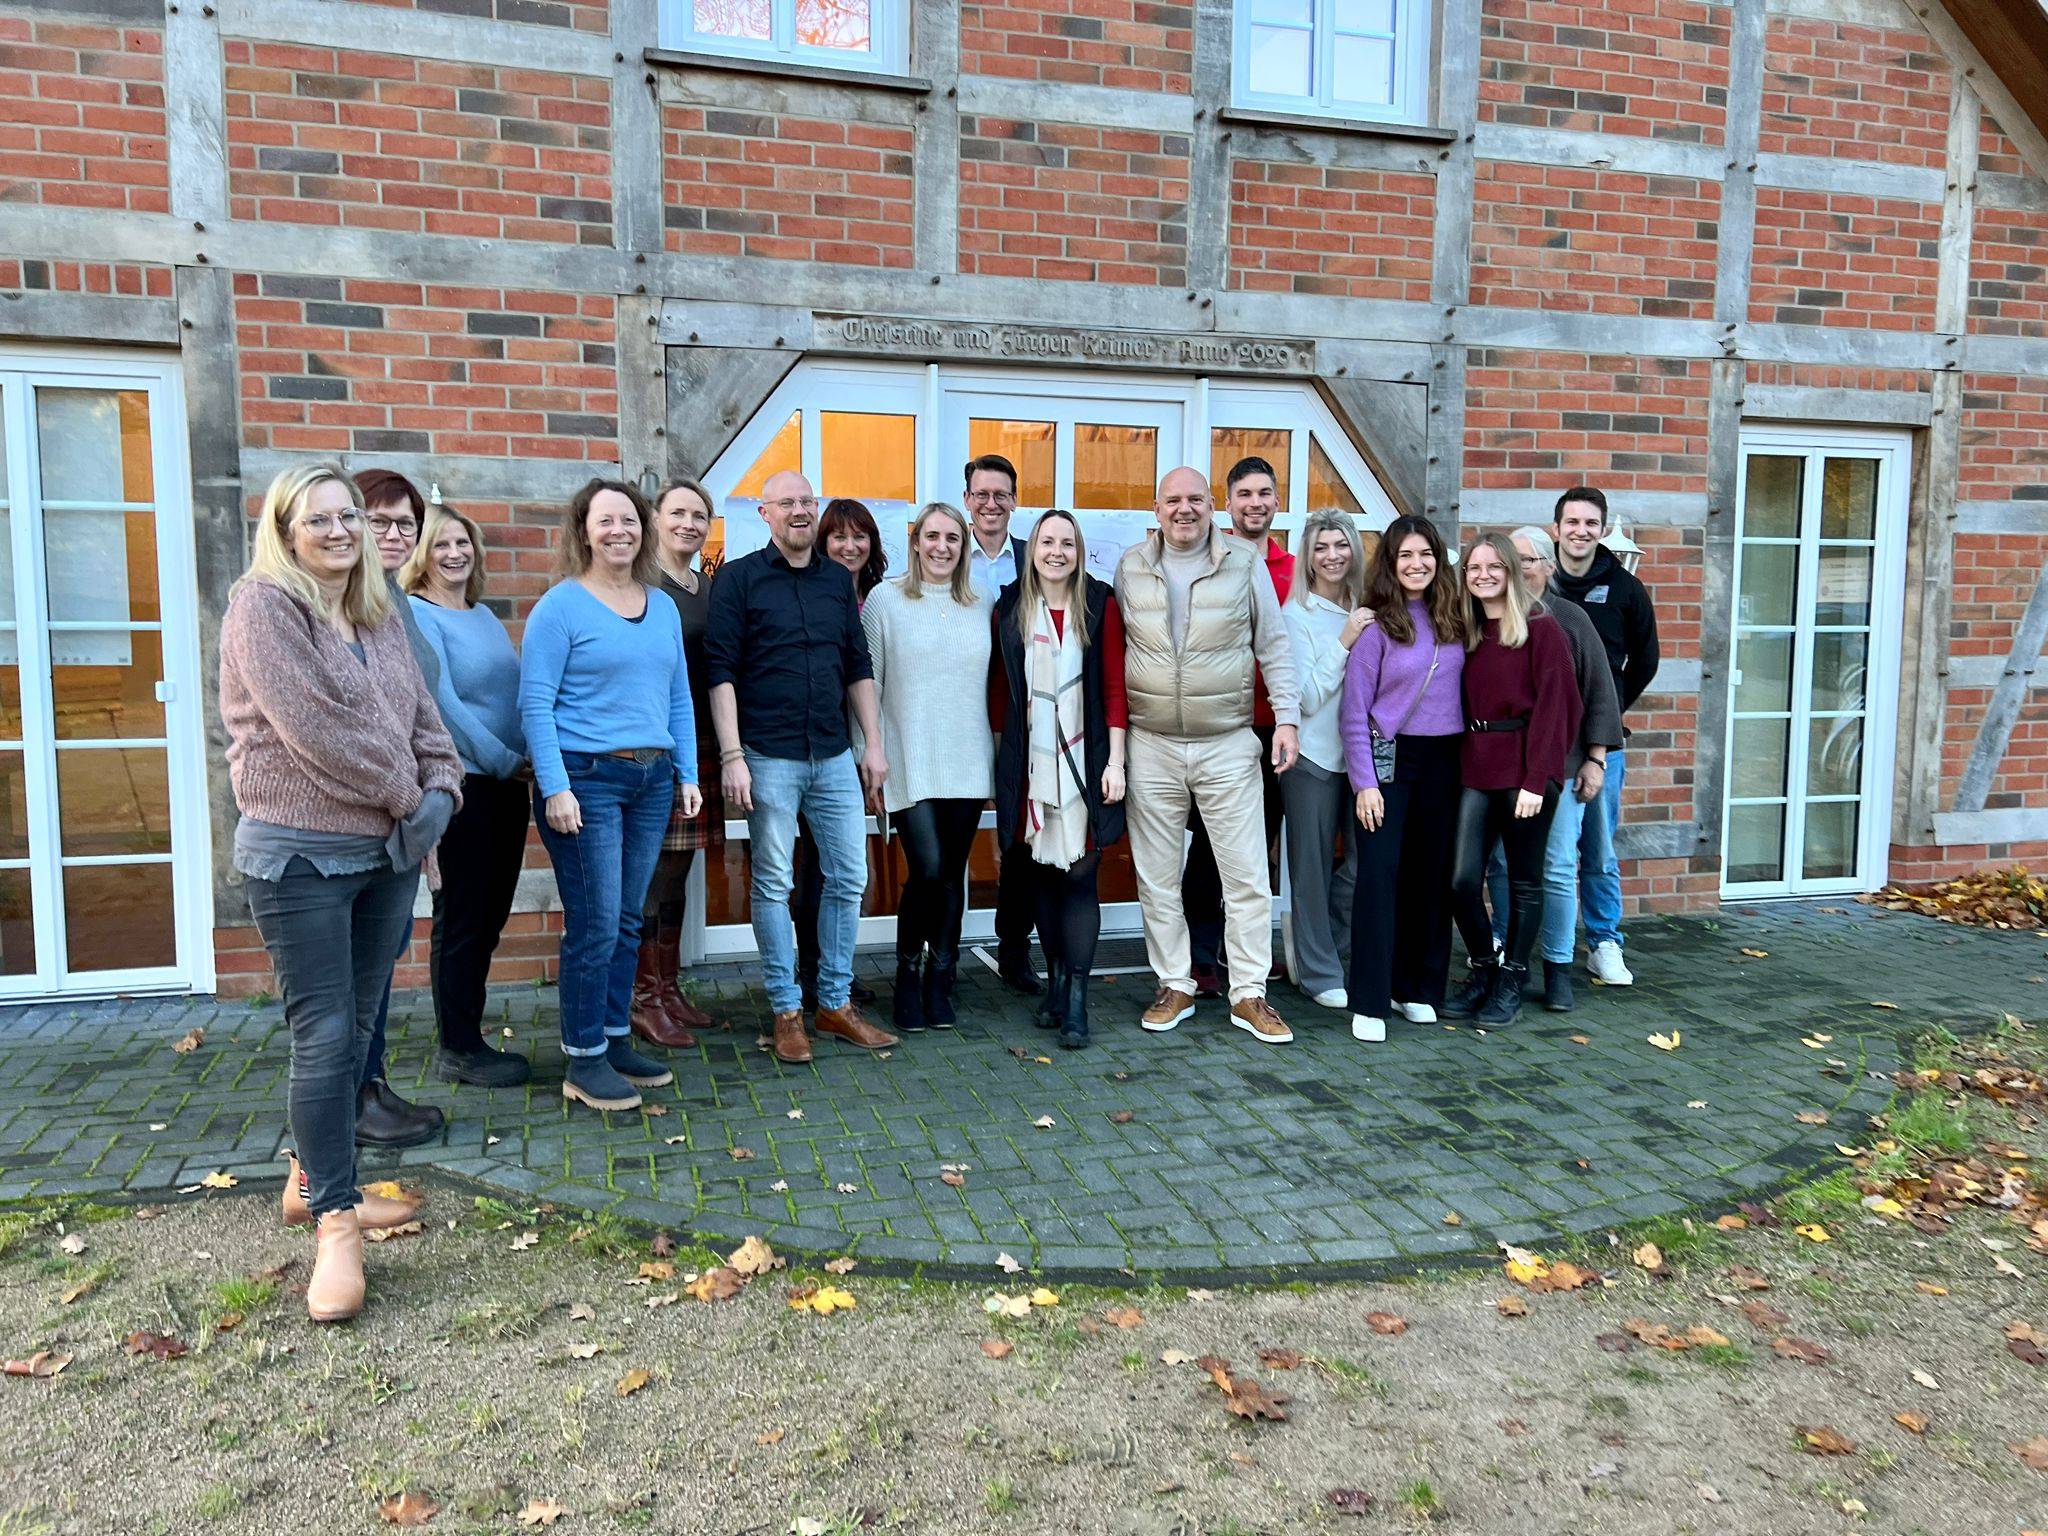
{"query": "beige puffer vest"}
{"type": "Point", "coordinates": [1205, 689]}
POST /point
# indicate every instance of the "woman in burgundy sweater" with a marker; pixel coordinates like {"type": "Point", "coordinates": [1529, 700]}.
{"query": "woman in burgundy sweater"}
{"type": "Point", "coordinates": [1521, 716]}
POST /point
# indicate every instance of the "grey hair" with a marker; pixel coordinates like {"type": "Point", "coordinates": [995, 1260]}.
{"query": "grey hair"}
{"type": "Point", "coordinates": [1539, 540]}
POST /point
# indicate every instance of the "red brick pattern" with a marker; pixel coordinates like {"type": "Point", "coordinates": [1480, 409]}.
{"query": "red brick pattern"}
{"type": "Point", "coordinates": [82, 115]}
{"type": "Point", "coordinates": [528, 952]}
{"type": "Point", "coordinates": [1598, 242]}
{"type": "Point", "coordinates": [1835, 376]}
{"type": "Point", "coordinates": [373, 140]}
{"type": "Point", "coordinates": [1831, 259]}
{"type": "Point", "coordinates": [1356, 234]}
{"type": "Point", "coordinates": [582, 15]}
{"type": "Point", "coordinates": [2008, 272]}
{"type": "Point", "coordinates": [374, 367]}
{"type": "Point", "coordinates": [1549, 420]}
{"type": "Point", "coordinates": [26, 275]}
{"type": "Point", "coordinates": [1994, 579]}
{"type": "Point", "coordinates": [1653, 69]}
{"type": "Point", "coordinates": [1135, 45]}
{"type": "Point", "coordinates": [2005, 438]}
{"type": "Point", "coordinates": [786, 188]}
{"type": "Point", "coordinates": [1996, 152]}
{"type": "Point", "coordinates": [1854, 93]}
{"type": "Point", "coordinates": [1087, 205]}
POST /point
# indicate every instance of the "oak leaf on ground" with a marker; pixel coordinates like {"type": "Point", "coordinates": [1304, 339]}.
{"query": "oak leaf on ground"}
{"type": "Point", "coordinates": [1386, 1322]}
{"type": "Point", "coordinates": [1821, 1440]}
{"type": "Point", "coordinates": [407, 1509]}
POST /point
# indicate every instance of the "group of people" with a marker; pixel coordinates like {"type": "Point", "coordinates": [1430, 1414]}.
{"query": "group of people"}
{"type": "Point", "coordinates": [1411, 724]}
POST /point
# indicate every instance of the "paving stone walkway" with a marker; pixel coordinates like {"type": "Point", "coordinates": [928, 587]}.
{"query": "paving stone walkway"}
{"type": "Point", "coordinates": [1235, 1159]}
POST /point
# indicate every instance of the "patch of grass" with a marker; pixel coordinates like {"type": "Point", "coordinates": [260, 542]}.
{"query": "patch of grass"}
{"type": "Point", "coordinates": [1935, 1051]}
{"type": "Point", "coordinates": [245, 1296]}
{"type": "Point", "coordinates": [1831, 1198]}
{"type": "Point", "coordinates": [1859, 1326]}
{"type": "Point", "coordinates": [496, 1320]}
{"type": "Point", "coordinates": [604, 1236]}
{"type": "Point", "coordinates": [1726, 1357]}
{"type": "Point", "coordinates": [217, 1501]}
{"type": "Point", "coordinates": [1929, 1123]}
{"type": "Point", "coordinates": [1607, 1405]}
{"type": "Point", "coordinates": [1000, 1498]}
{"type": "Point", "coordinates": [1642, 1376]}
{"type": "Point", "coordinates": [1681, 1238]}
{"type": "Point", "coordinates": [1818, 1287]}
{"type": "Point", "coordinates": [1132, 1362]}
{"type": "Point", "coordinates": [1888, 1166]}
{"type": "Point", "coordinates": [1350, 1377]}
{"type": "Point", "coordinates": [1423, 1499]}
{"type": "Point", "coordinates": [19, 1522]}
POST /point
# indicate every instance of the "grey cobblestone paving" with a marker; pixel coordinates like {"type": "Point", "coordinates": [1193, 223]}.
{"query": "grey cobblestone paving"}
{"type": "Point", "coordinates": [1237, 1158]}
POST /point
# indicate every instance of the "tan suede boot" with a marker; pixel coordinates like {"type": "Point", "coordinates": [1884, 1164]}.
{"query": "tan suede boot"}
{"type": "Point", "coordinates": [334, 1294]}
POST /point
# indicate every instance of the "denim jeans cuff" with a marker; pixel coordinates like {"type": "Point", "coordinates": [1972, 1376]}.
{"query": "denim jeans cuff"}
{"type": "Point", "coordinates": [582, 1050]}
{"type": "Point", "coordinates": [617, 1031]}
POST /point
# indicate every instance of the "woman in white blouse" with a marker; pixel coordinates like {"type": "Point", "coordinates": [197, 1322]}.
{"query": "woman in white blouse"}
{"type": "Point", "coordinates": [1325, 617]}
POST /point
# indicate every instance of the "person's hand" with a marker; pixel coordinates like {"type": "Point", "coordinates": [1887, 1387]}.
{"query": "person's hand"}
{"type": "Point", "coordinates": [1372, 809]}
{"type": "Point", "coordinates": [1286, 747]}
{"type": "Point", "coordinates": [1112, 783]}
{"type": "Point", "coordinates": [691, 798]}
{"type": "Point", "coordinates": [1526, 804]}
{"type": "Point", "coordinates": [1591, 780]}
{"type": "Point", "coordinates": [736, 781]}
{"type": "Point", "coordinates": [523, 773]}
{"type": "Point", "coordinates": [563, 813]}
{"type": "Point", "coordinates": [1355, 626]}
{"type": "Point", "coordinates": [874, 769]}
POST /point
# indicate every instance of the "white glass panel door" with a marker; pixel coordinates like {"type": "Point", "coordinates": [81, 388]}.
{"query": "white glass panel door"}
{"type": "Point", "coordinates": [1819, 579]}
{"type": "Point", "coordinates": [103, 859]}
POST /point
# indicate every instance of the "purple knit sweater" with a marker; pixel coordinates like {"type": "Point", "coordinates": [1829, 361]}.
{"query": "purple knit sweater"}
{"type": "Point", "coordinates": [1383, 679]}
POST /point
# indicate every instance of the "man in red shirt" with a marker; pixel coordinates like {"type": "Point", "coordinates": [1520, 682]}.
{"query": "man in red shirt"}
{"type": "Point", "coordinates": [1252, 499]}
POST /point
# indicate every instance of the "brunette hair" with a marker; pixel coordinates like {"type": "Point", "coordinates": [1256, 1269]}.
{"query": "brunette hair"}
{"type": "Point", "coordinates": [1329, 520]}
{"type": "Point", "coordinates": [843, 514]}
{"type": "Point", "coordinates": [366, 600]}
{"type": "Point", "coordinates": [572, 541]}
{"type": "Point", "coordinates": [1518, 605]}
{"type": "Point", "coordinates": [1444, 602]}
{"type": "Point", "coordinates": [993, 463]}
{"type": "Point", "coordinates": [1591, 495]}
{"type": "Point", "coordinates": [412, 576]}
{"type": "Point", "coordinates": [1028, 592]}
{"type": "Point", "coordinates": [961, 587]}
{"type": "Point", "coordinates": [1245, 468]}
{"type": "Point", "coordinates": [382, 487]}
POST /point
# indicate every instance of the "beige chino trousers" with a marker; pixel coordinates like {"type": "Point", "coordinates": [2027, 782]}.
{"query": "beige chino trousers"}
{"type": "Point", "coordinates": [1219, 776]}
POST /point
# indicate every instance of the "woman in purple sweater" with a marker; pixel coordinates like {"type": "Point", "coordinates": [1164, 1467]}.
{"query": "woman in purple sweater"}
{"type": "Point", "coordinates": [1402, 720]}
{"type": "Point", "coordinates": [1522, 715]}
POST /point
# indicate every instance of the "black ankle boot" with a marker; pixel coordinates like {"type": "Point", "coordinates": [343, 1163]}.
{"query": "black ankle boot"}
{"type": "Point", "coordinates": [1477, 991]}
{"type": "Point", "coordinates": [1052, 1008]}
{"type": "Point", "coordinates": [1505, 1006]}
{"type": "Point", "coordinates": [1557, 986]}
{"type": "Point", "coordinates": [906, 1009]}
{"type": "Point", "coordinates": [1074, 1027]}
{"type": "Point", "coordinates": [1014, 966]}
{"type": "Point", "coordinates": [940, 972]}
{"type": "Point", "coordinates": [383, 1119]}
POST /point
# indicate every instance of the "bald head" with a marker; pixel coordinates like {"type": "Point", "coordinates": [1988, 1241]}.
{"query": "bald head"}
{"type": "Point", "coordinates": [791, 509]}
{"type": "Point", "coordinates": [1183, 508]}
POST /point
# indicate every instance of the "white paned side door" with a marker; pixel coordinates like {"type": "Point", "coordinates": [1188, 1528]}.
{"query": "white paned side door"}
{"type": "Point", "coordinates": [1813, 689]}
{"type": "Point", "coordinates": [105, 875]}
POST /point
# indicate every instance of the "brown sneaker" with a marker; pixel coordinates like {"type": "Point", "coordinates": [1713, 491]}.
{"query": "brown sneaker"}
{"type": "Point", "coordinates": [791, 1043]}
{"type": "Point", "coordinates": [1169, 1008]}
{"type": "Point", "coordinates": [847, 1024]}
{"type": "Point", "coordinates": [1256, 1017]}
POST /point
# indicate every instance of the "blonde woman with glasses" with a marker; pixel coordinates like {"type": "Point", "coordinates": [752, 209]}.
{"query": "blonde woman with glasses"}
{"type": "Point", "coordinates": [928, 639]}
{"type": "Point", "coordinates": [345, 778]}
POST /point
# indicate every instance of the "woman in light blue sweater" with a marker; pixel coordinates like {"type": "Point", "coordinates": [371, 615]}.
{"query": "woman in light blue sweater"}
{"type": "Point", "coordinates": [604, 696]}
{"type": "Point", "coordinates": [476, 685]}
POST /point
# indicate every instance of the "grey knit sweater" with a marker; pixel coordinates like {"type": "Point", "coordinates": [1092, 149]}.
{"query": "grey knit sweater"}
{"type": "Point", "coordinates": [931, 668]}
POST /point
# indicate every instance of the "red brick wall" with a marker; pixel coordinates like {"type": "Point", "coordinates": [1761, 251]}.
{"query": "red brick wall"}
{"type": "Point", "coordinates": [1995, 152]}
{"type": "Point", "coordinates": [1357, 234]}
{"type": "Point", "coordinates": [582, 15]}
{"type": "Point", "coordinates": [1831, 259]}
{"type": "Point", "coordinates": [1089, 205]}
{"type": "Point", "coordinates": [786, 188]}
{"type": "Point", "coordinates": [1994, 578]}
{"type": "Point", "coordinates": [26, 275]}
{"type": "Point", "coordinates": [527, 952]}
{"type": "Point", "coordinates": [1911, 865]}
{"type": "Point", "coordinates": [326, 136]}
{"type": "Point", "coordinates": [1550, 420]}
{"type": "Point", "coordinates": [1836, 376]}
{"type": "Point", "coordinates": [1131, 44]}
{"type": "Point", "coordinates": [82, 115]}
{"type": "Point", "coordinates": [1853, 93]}
{"type": "Point", "coordinates": [2008, 260]}
{"type": "Point", "coordinates": [365, 367]}
{"type": "Point", "coordinates": [2005, 438]}
{"type": "Point", "coordinates": [1653, 69]}
{"type": "Point", "coordinates": [1602, 242]}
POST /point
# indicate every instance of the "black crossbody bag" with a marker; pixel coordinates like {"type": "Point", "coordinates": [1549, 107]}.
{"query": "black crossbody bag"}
{"type": "Point", "coordinates": [1383, 746]}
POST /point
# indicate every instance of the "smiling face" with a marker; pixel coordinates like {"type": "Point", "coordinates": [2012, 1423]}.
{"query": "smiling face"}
{"type": "Point", "coordinates": [848, 545]}
{"type": "Point", "coordinates": [939, 546]}
{"type": "Point", "coordinates": [1253, 502]}
{"type": "Point", "coordinates": [1183, 508]}
{"type": "Point", "coordinates": [1055, 553]}
{"type": "Point", "coordinates": [396, 531]}
{"type": "Point", "coordinates": [326, 533]}
{"type": "Point", "coordinates": [1330, 561]}
{"type": "Point", "coordinates": [1415, 565]}
{"type": "Point", "coordinates": [613, 527]}
{"type": "Point", "coordinates": [991, 498]}
{"type": "Point", "coordinates": [1486, 574]}
{"type": "Point", "coordinates": [791, 508]}
{"type": "Point", "coordinates": [682, 522]}
{"type": "Point", "coordinates": [1578, 529]}
{"type": "Point", "coordinates": [1535, 567]}
{"type": "Point", "coordinates": [452, 559]}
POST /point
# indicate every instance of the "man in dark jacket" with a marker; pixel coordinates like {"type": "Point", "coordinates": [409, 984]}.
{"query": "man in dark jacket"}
{"type": "Point", "coordinates": [1619, 606]}
{"type": "Point", "coordinates": [1585, 773]}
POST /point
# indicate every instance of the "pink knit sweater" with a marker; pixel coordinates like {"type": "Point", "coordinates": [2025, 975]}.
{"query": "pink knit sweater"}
{"type": "Point", "coordinates": [316, 739]}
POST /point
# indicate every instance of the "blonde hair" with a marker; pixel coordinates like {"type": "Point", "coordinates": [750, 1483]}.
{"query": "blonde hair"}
{"type": "Point", "coordinates": [961, 588]}
{"type": "Point", "coordinates": [413, 576]}
{"type": "Point", "coordinates": [1330, 520]}
{"type": "Point", "coordinates": [365, 602]}
{"type": "Point", "coordinates": [1029, 594]}
{"type": "Point", "coordinates": [1516, 603]}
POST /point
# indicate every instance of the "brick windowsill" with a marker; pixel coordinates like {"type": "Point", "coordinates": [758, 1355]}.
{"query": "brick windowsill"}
{"type": "Point", "coordinates": [1351, 127]}
{"type": "Point", "coordinates": [910, 85]}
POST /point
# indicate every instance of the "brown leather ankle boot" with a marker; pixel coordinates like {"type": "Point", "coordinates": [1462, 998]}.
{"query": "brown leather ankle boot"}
{"type": "Point", "coordinates": [334, 1294]}
{"type": "Point", "coordinates": [668, 964]}
{"type": "Point", "coordinates": [650, 1020]}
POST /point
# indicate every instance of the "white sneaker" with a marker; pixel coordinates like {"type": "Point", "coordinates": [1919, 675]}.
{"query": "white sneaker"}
{"type": "Point", "coordinates": [1606, 966]}
{"type": "Point", "coordinates": [1336, 997]}
{"type": "Point", "coordinates": [1365, 1027]}
{"type": "Point", "coordinates": [1416, 1013]}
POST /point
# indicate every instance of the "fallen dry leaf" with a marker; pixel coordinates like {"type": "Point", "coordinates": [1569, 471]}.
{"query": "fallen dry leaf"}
{"type": "Point", "coordinates": [1282, 1359]}
{"type": "Point", "coordinates": [1000, 1305]}
{"type": "Point", "coordinates": [1648, 1256]}
{"type": "Point", "coordinates": [525, 1240]}
{"type": "Point", "coordinates": [1045, 1122]}
{"type": "Point", "coordinates": [1811, 1117]}
{"type": "Point", "coordinates": [720, 1284]}
{"type": "Point", "coordinates": [754, 1257]}
{"type": "Point", "coordinates": [663, 1246]}
{"type": "Point", "coordinates": [1758, 954]}
{"type": "Point", "coordinates": [1929, 1288]}
{"type": "Point", "coordinates": [1762, 1315]}
{"type": "Point", "coordinates": [2033, 1452]}
{"type": "Point", "coordinates": [1045, 1298]}
{"type": "Point", "coordinates": [1124, 1317]}
{"type": "Point", "coordinates": [1007, 1265]}
{"type": "Point", "coordinates": [1731, 1222]}
{"type": "Point", "coordinates": [653, 1109]}
{"type": "Point", "coordinates": [1748, 1279]}
{"type": "Point", "coordinates": [1803, 1350]}
{"type": "Point", "coordinates": [158, 1346]}
{"type": "Point", "coordinates": [2024, 1344]}
{"type": "Point", "coordinates": [407, 1509]}
{"type": "Point", "coordinates": [1668, 1042]}
{"type": "Point", "coordinates": [1175, 1357]}
{"type": "Point", "coordinates": [1386, 1322]}
{"type": "Point", "coordinates": [1511, 1306]}
{"type": "Point", "coordinates": [1912, 1423]}
{"type": "Point", "coordinates": [43, 1364]}
{"type": "Point", "coordinates": [997, 1349]}
{"type": "Point", "coordinates": [72, 1243]}
{"type": "Point", "coordinates": [391, 1234]}
{"type": "Point", "coordinates": [228, 1322]}
{"type": "Point", "coordinates": [1453, 1219]}
{"type": "Point", "coordinates": [1813, 1232]}
{"type": "Point", "coordinates": [585, 1351]}
{"type": "Point", "coordinates": [542, 1512]}
{"type": "Point", "coordinates": [1582, 1039]}
{"type": "Point", "coordinates": [956, 1180]}
{"type": "Point", "coordinates": [1925, 1380]}
{"type": "Point", "coordinates": [1122, 1117]}
{"type": "Point", "coordinates": [770, 1437]}
{"type": "Point", "coordinates": [633, 1381]}
{"type": "Point", "coordinates": [82, 1289]}
{"type": "Point", "coordinates": [219, 1181]}
{"type": "Point", "coordinates": [796, 1114]}
{"type": "Point", "coordinates": [1348, 1501]}
{"type": "Point", "coordinates": [189, 1042]}
{"type": "Point", "coordinates": [843, 1265]}
{"type": "Point", "coordinates": [582, 1312]}
{"type": "Point", "coordinates": [846, 1189]}
{"type": "Point", "coordinates": [1820, 1440]}
{"type": "Point", "coordinates": [740, 1154]}
{"type": "Point", "coordinates": [821, 1299]}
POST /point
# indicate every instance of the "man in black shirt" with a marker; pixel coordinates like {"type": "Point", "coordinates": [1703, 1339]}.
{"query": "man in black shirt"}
{"type": "Point", "coordinates": [787, 654]}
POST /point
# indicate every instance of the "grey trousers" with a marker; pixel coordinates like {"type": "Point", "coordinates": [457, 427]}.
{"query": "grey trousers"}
{"type": "Point", "coordinates": [1318, 805]}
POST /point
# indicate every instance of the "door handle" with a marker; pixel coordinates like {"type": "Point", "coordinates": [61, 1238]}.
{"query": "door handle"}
{"type": "Point", "coordinates": [166, 692]}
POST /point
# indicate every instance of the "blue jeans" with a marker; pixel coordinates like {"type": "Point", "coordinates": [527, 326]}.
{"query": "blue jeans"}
{"type": "Point", "coordinates": [373, 1063]}
{"type": "Point", "coordinates": [1560, 883]}
{"type": "Point", "coordinates": [603, 872]}
{"type": "Point", "coordinates": [1599, 870]}
{"type": "Point", "coordinates": [826, 794]}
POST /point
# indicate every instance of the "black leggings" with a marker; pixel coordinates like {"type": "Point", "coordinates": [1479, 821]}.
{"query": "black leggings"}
{"type": "Point", "coordinates": [668, 893]}
{"type": "Point", "coordinates": [937, 836]}
{"type": "Point", "coordinates": [1069, 909]}
{"type": "Point", "coordinates": [1485, 815]}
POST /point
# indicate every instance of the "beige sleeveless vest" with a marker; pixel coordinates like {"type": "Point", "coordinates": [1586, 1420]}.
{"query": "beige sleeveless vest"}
{"type": "Point", "coordinates": [1205, 689]}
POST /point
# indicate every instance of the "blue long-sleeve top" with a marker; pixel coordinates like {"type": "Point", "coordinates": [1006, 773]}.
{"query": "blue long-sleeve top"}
{"type": "Point", "coordinates": [477, 685]}
{"type": "Point", "coordinates": [590, 681]}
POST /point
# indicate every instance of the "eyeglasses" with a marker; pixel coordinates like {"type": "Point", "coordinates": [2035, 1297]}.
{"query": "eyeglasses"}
{"type": "Point", "coordinates": [380, 525]}
{"type": "Point", "coordinates": [1532, 562]}
{"type": "Point", "coordinates": [789, 504]}
{"type": "Point", "coordinates": [325, 523]}
{"type": "Point", "coordinates": [991, 498]}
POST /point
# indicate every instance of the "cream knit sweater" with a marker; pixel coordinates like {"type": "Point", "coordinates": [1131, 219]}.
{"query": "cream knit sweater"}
{"type": "Point", "coordinates": [930, 656]}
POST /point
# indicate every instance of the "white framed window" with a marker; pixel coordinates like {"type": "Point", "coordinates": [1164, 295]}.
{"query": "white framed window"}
{"type": "Point", "coordinates": [1366, 59]}
{"type": "Point", "coordinates": [844, 34]}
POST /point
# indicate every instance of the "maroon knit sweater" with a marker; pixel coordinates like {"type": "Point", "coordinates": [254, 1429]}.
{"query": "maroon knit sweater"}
{"type": "Point", "coordinates": [316, 739]}
{"type": "Point", "coordinates": [1534, 682]}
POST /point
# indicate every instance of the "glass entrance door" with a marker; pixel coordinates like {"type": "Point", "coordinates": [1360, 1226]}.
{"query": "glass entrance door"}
{"type": "Point", "coordinates": [1819, 579]}
{"type": "Point", "coordinates": [102, 792]}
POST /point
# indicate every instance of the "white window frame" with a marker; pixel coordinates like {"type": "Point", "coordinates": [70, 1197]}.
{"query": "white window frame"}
{"type": "Point", "coordinates": [888, 51]}
{"type": "Point", "coordinates": [1411, 95]}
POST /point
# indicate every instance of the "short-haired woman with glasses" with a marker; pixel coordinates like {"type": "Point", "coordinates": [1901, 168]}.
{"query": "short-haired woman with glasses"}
{"type": "Point", "coordinates": [344, 777]}
{"type": "Point", "coordinates": [928, 640]}
{"type": "Point", "coordinates": [604, 695]}
{"type": "Point", "coordinates": [486, 842]}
